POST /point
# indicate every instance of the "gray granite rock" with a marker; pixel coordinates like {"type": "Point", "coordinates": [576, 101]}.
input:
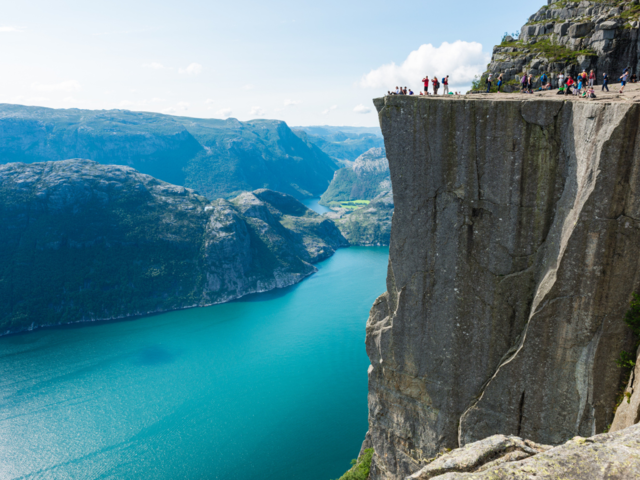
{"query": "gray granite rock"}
{"type": "Point", "coordinates": [514, 252]}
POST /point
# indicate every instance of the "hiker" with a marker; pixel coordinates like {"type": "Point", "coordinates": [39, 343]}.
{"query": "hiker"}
{"type": "Point", "coordinates": [634, 79]}
{"type": "Point", "coordinates": [584, 76]}
{"type": "Point", "coordinates": [445, 82]}
{"type": "Point", "coordinates": [425, 80]}
{"type": "Point", "coordinates": [435, 84]}
{"type": "Point", "coordinates": [591, 92]}
{"type": "Point", "coordinates": [623, 79]}
{"type": "Point", "coordinates": [489, 79]}
{"type": "Point", "coordinates": [499, 82]}
{"type": "Point", "coordinates": [579, 84]}
{"type": "Point", "coordinates": [523, 83]}
{"type": "Point", "coordinates": [410, 92]}
{"type": "Point", "coordinates": [605, 80]}
{"type": "Point", "coordinates": [560, 80]}
{"type": "Point", "coordinates": [530, 83]}
{"type": "Point", "coordinates": [592, 78]}
{"type": "Point", "coordinates": [543, 81]}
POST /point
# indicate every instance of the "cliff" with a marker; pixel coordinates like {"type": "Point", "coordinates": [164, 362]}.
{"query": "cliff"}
{"type": "Point", "coordinates": [571, 37]}
{"type": "Point", "coordinates": [83, 242]}
{"type": "Point", "coordinates": [514, 253]}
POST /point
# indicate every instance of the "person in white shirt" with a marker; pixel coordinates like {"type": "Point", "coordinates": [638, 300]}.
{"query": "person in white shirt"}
{"type": "Point", "coordinates": [560, 80]}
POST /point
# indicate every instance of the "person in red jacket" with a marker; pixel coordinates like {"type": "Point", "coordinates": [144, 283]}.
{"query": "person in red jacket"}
{"type": "Point", "coordinates": [425, 80]}
{"type": "Point", "coordinates": [436, 84]}
{"type": "Point", "coordinates": [445, 82]}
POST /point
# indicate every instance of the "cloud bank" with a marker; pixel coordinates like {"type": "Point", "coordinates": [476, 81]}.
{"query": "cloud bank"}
{"type": "Point", "coordinates": [460, 60]}
{"type": "Point", "coordinates": [8, 28]}
{"type": "Point", "coordinates": [192, 69]}
{"type": "Point", "coordinates": [67, 86]}
{"type": "Point", "coordinates": [362, 109]}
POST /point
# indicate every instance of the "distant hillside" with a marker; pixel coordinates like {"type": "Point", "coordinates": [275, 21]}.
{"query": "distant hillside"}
{"type": "Point", "coordinates": [369, 225]}
{"type": "Point", "coordinates": [83, 241]}
{"type": "Point", "coordinates": [364, 179]}
{"type": "Point", "coordinates": [219, 158]}
{"type": "Point", "coordinates": [342, 143]}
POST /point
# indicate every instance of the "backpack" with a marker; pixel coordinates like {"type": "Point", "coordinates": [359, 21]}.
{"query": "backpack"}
{"type": "Point", "coordinates": [443, 80]}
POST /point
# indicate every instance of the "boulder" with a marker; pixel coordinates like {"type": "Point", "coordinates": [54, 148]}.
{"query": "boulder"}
{"type": "Point", "coordinates": [579, 30]}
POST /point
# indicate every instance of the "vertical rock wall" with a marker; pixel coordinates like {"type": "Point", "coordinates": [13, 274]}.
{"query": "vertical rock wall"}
{"type": "Point", "coordinates": [514, 252]}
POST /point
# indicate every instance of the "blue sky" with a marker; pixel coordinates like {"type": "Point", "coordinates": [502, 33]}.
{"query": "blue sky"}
{"type": "Point", "coordinates": [308, 63]}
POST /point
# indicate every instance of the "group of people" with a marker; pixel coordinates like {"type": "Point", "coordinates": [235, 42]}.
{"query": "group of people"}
{"type": "Point", "coordinates": [580, 85]}
{"type": "Point", "coordinates": [435, 85]}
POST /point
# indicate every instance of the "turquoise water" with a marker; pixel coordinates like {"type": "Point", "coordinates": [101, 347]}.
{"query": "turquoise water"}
{"type": "Point", "coordinates": [313, 204]}
{"type": "Point", "coordinates": [270, 387]}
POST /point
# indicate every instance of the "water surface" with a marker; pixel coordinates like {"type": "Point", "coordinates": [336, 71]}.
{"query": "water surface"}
{"type": "Point", "coordinates": [313, 204]}
{"type": "Point", "coordinates": [273, 386]}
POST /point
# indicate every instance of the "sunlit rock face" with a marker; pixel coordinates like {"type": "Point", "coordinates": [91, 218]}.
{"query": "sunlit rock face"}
{"type": "Point", "coordinates": [514, 252]}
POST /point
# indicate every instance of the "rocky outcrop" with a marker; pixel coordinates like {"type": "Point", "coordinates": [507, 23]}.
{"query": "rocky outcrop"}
{"type": "Point", "coordinates": [83, 242]}
{"type": "Point", "coordinates": [513, 257]}
{"type": "Point", "coordinates": [571, 37]}
{"type": "Point", "coordinates": [364, 179]}
{"type": "Point", "coordinates": [628, 412]}
{"type": "Point", "coordinates": [367, 226]}
{"type": "Point", "coordinates": [608, 456]}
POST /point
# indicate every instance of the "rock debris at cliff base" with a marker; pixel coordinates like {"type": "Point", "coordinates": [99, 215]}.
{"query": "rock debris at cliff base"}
{"type": "Point", "coordinates": [514, 252]}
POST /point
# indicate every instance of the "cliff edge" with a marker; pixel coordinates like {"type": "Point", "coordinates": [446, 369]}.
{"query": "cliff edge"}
{"type": "Point", "coordinates": [514, 253]}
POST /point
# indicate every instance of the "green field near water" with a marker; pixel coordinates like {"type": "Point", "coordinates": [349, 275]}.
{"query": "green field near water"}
{"type": "Point", "coordinates": [350, 205]}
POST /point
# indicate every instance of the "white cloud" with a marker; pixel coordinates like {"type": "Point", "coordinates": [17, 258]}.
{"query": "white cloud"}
{"type": "Point", "coordinates": [183, 105]}
{"type": "Point", "coordinates": [193, 69]}
{"type": "Point", "coordinates": [290, 103]}
{"type": "Point", "coordinates": [460, 60]}
{"type": "Point", "coordinates": [168, 110]}
{"type": "Point", "coordinates": [71, 100]}
{"type": "Point", "coordinates": [361, 109]}
{"type": "Point", "coordinates": [37, 99]}
{"type": "Point", "coordinates": [126, 104]}
{"type": "Point", "coordinates": [154, 66]}
{"type": "Point", "coordinates": [257, 111]}
{"type": "Point", "coordinates": [331, 108]}
{"type": "Point", "coordinates": [8, 28]}
{"type": "Point", "coordinates": [67, 86]}
{"type": "Point", "coordinates": [209, 101]}
{"type": "Point", "coordinates": [224, 113]}
{"type": "Point", "coordinates": [157, 99]}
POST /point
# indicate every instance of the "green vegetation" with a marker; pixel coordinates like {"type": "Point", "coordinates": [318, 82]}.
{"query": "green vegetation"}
{"type": "Point", "coordinates": [218, 158]}
{"type": "Point", "coordinates": [350, 205]}
{"type": "Point", "coordinates": [554, 52]}
{"type": "Point", "coordinates": [627, 360]}
{"type": "Point", "coordinates": [360, 467]}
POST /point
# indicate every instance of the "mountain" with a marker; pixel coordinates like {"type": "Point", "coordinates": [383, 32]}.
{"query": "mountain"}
{"type": "Point", "coordinates": [219, 158]}
{"type": "Point", "coordinates": [571, 37]}
{"type": "Point", "coordinates": [369, 225]}
{"type": "Point", "coordinates": [343, 144]}
{"type": "Point", "coordinates": [84, 241]}
{"type": "Point", "coordinates": [363, 179]}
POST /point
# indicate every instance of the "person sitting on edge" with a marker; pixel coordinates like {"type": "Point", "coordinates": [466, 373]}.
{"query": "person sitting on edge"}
{"type": "Point", "coordinates": [591, 92]}
{"type": "Point", "coordinates": [623, 79]}
{"type": "Point", "coordinates": [634, 79]}
{"type": "Point", "coordinates": [568, 84]}
{"type": "Point", "coordinates": [397, 90]}
{"type": "Point", "coordinates": [425, 80]}
{"type": "Point", "coordinates": [410, 92]}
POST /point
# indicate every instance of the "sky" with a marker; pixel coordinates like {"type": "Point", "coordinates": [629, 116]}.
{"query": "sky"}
{"type": "Point", "coordinates": [307, 63]}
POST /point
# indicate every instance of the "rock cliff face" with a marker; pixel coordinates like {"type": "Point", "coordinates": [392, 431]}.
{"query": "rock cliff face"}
{"type": "Point", "coordinates": [83, 241]}
{"type": "Point", "coordinates": [514, 252]}
{"type": "Point", "coordinates": [572, 36]}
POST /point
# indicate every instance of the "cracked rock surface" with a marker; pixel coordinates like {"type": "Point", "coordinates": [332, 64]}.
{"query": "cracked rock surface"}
{"type": "Point", "coordinates": [613, 456]}
{"type": "Point", "coordinates": [514, 252]}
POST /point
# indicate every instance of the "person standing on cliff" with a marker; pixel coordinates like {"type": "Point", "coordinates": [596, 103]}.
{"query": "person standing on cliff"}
{"type": "Point", "coordinates": [560, 80]}
{"type": "Point", "coordinates": [425, 80]}
{"type": "Point", "coordinates": [489, 80]}
{"type": "Point", "coordinates": [499, 82]}
{"type": "Point", "coordinates": [435, 84]}
{"type": "Point", "coordinates": [445, 82]}
{"type": "Point", "coordinates": [523, 83]}
{"type": "Point", "coordinates": [605, 80]}
{"type": "Point", "coordinates": [592, 78]}
{"type": "Point", "coordinates": [623, 79]}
